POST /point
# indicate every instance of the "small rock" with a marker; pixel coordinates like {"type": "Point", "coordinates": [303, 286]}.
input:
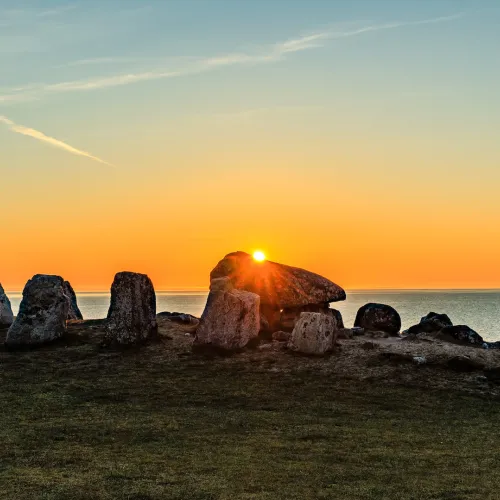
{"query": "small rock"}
{"type": "Point", "coordinates": [281, 336]}
{"type": "Point", "coordinates": [345, 333]}
{"type": "Point", "coordinates": [420, 360]}
{"type": "Point", "coordinates": [314, 334]}
{"type": "Point", "coordinates": [463, 334]}
{"type": "Point", "coordinates": [464, 364]}
{"type": "Point", "coordinates": [432, 322]}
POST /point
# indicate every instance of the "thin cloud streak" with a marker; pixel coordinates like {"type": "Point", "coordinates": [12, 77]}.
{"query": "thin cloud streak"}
{"type": "Point", "coordinates": [274, 53]}
{"type": "Point", "coordinates": [40, 136]}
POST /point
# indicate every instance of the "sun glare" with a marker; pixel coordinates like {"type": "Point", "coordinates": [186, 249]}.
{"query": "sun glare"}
{"type": "Point", "coordinates": [259, 256]}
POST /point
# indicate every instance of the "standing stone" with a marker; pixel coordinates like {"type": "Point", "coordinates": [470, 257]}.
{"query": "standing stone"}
{"type": "Point", "coordinates": [314, 333]}
{"type": "Point", "coordinates": [231, 317]}
{"type": "Point", "coordinates": [73, 311]}
{"type": "Point", "coordinates": [6, 316]}
{"type": "Point", "coordinates": [132, 311]}
{"type": "Point", "coordinates": [42, 313]}
{"type": "Point", "coordinates": [378, 318]}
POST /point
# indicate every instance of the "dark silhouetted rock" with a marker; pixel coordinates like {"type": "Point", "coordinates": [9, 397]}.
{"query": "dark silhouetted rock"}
{"type": "Point", "coordinates": [338, 318]}
{"type": "Point", "coordinates": [378, 317]}
{"type": "Point", "coordinates": [289, 316]}
{"type": "Point", "coordinates": [314, 333]}
{"type": "Point", "coordinates": [431, 323]}
{"type": "Point", "coordinates": [464, 364]}
{"type": "Point", "coordinates": [280, 336]}
{"type": "Point", "coordinates": [73, 312]}
{"type": "Point", "coordinates": [231, 319]}
{"type": "Point", "coordinates": [132, 311]}
{"type": "Point", "coordinates": [42, 314]}
{"type": "Point", "coordinates": [462, 334]}
{"type": "Point", "coordinates": [6, 315]}
{"type": "Point", "coordinates": [278, 285]}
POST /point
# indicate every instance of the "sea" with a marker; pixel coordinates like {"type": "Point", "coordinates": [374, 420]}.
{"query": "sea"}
{"type": "Point", "coordinates": [479, 309]}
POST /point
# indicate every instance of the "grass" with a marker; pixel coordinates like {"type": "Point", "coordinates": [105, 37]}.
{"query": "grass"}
{"type": "Point", "coordinates": [77, 422]}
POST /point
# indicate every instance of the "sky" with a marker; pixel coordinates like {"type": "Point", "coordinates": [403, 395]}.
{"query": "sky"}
{"type": "Point", "coordinates": [358, 139]}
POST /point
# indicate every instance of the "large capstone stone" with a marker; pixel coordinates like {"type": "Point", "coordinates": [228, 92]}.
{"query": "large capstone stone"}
{"type": "Point", "coordinates": [73, 311]}
{"type": "Point", "coordinates": [231, 318]}
{"type": "Point", "coordinates": [378, 318]}
{"type": "Point", "coordinates": [6, 315]}
{"type": "Point", "coordinates": [42, 313]}
{"type": "Point", "coordinates": [431, 323]}
{"type": "Point", "coordinates": [132, 311]}
{"type": "Point", "coordinates": [314, 333]}
{"type": "Point", "coordinates": [278, 285]}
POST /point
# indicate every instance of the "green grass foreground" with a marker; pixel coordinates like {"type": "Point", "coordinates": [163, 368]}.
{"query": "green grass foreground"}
{"type": "Point", "coordinates": [161, 423]}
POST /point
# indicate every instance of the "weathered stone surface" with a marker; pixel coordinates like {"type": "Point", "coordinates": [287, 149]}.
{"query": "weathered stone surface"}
{"type": "Point", "coordinates": [73, 311]}
{"type": "Point", "coordinates": [462, 334]}
{"type": "Point", "coordinates": [6, 315]}
{"type": "Point", "coordinates": [338, 318]}
{"type": "Point", "coordinates": [132, 311]}
{"type": "Point", "coordinates": [223, 284]}
{"type": "Point", "coordinates": [314, 333]}
{"type": "Point", "coordinates": [230, 320]}
{"type": "Point", "coordinates": [278, 285]}
{"type": "Point", "coordinates": [42, 313]}
{"type": "Point", "coordinates": [378, 317]}
{"type": "Point", "coordinates": [431, 323]}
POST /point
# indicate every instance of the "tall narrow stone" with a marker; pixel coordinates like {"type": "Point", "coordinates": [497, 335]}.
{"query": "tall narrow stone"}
{"type": "Point", "coordinates": [132, 312]}
{"type": "Point", "coordinates": [42, 313]}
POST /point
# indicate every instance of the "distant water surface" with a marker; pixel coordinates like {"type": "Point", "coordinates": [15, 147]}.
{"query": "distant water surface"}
{"type": "Point", "coordinates": [479, 309]}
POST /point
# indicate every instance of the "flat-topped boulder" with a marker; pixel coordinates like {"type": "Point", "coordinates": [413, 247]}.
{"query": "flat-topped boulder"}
{"type": "Point", "coordinates": [314, 334]}
{"type": "Point", "coordinates": [42, 313]}
{"type": "Point", "coordinates": [132, 312]}
{"type": "Point", "coordinates": [378, 318]}
{"type": "Point", "coordinates": [74, 312]}
{"type": "Point", "coordinates": [231, 318]}
{"type": "Point", "coordinates": [6, 315]}
{"type": "Point", "coordinates": [278, 285]}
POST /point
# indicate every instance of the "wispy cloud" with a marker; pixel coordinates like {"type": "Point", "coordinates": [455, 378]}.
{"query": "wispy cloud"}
{"type": "Point", "coordinates": [40, 136]}
{"type": "Point", "coordinates": [270, 54]}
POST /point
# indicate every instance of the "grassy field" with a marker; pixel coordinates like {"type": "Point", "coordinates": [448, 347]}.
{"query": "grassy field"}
{"type": "Point", "coordinates": [77, 422]}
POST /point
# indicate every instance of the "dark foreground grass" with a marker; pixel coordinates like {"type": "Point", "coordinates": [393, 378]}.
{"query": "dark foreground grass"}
{"type": "Point", "coordinates": [79, 424]}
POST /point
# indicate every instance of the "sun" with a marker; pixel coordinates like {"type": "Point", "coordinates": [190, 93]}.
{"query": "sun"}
{"type": "Point", "coordinates": [259, 256]}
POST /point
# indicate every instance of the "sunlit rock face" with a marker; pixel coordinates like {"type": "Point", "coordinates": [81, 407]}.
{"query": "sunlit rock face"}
{"type": "Point", "coordinates": [285, 291]}
{"type": "Point", "coordinates": [73, 311]}
{"type": "Point", "coordinates": [231, 318]}
{"type": "Point", "coordinates": [42, 313]}
{"type": "Point", "coordinates": [132, 311]}
{"type": "Point", "coordinates": [314, 334]}
{"type": "Point", "coordinates": [6, 316]}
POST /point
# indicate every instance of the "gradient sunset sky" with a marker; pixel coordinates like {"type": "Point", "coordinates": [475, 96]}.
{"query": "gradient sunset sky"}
{"type": "Point", "coordinates": [357, 139]}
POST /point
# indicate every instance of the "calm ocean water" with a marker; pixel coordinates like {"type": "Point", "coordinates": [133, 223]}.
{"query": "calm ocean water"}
{"type": "Point", "coordinates": [476, 308]}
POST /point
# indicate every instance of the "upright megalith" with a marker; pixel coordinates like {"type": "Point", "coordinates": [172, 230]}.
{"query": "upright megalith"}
{"type": "Point", "coordinates": [42, 313]}
{"type": "Point", "coordinates": [314, 334]}
{"type": "Point", "coordinates": [6, 315]}
{"type": "Point", "coordinates": [73, 311]}
{"type": "Point", "coordinates": [132, 311]}
{"type": "Point", "coordinates": [231, 318]}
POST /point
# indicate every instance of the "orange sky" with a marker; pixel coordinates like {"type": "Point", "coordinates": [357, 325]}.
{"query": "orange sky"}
{"type": "Point", "coordinates": [159, 139]}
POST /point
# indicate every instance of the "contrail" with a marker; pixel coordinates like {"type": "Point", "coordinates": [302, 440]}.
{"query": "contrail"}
{"type": "Point", "coordinates": [270, 54]}
{"type": "Point", "coordinates": [40, 136]}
